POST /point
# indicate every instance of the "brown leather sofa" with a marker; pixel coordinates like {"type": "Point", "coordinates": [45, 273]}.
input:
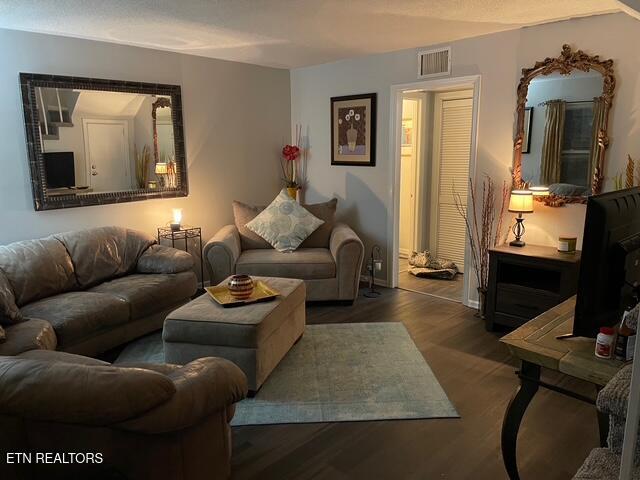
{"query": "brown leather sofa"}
{"type": "Point", "coordinates": [98, 288]}
{"type": "Point", "coordinates": [87, 292]}
{"type": "Point", "coordinates": [329, 260]}
{"type": "Point", "coordinates": [119, 422]}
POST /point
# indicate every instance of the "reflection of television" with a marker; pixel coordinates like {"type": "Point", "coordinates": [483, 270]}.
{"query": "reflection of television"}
{"type": "Point", "coordinates": [59, 169]}
{"type": "Point", "coordinates": [610, 264]}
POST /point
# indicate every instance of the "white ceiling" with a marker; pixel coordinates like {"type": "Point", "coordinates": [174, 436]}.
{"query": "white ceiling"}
{"type": "Point", "coordinates": [286, 33]}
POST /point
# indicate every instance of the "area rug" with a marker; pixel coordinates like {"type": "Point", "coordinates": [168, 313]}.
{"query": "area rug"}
{"type": "Point", "coordinates": [337, 373]}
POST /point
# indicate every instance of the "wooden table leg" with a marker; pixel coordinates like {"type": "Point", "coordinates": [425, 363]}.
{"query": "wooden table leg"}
{"type": "Point", "coordinates": [529, 377]}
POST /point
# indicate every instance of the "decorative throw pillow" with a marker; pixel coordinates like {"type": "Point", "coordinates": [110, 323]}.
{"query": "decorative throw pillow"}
{"type": "Point", "coordinates": [326, 211]}
{"type": "Point", "coordinates": [242, 215]}
{"type": "Point", "coordinates": [284, 224]}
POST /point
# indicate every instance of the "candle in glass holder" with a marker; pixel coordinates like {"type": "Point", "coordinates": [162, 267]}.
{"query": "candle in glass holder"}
{"type": "Point", "coordinates": [177, 219]}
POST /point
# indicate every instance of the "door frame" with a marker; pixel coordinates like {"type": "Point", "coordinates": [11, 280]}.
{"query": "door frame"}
{"type": "Point", "coordinates": [417, 156]}
{"type": "Point", "coordinates": [439, 99]}
{"type": "Point", "coordinates": [85, 134]}
{"type": "Point", "coordinates": [471, 82]}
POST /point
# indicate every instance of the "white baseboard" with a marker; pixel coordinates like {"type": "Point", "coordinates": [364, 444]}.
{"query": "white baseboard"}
{"type": "Point", "coordinates": [472, 304]}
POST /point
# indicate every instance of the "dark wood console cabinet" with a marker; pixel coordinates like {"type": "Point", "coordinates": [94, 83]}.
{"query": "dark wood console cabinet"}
{"type": "Point", "coordinates": [527, 281]}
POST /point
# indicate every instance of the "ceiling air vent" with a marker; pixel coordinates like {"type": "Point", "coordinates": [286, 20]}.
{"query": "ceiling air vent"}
{"type": "Point", "coordinates": [434, 63]}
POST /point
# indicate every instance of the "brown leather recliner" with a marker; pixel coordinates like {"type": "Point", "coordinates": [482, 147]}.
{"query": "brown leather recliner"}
{"type": "Point", "coordinates": [142, 420]}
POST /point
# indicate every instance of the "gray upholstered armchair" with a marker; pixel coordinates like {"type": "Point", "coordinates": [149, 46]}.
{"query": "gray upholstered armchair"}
{"type": "Point", "coordinates": [329, 261]}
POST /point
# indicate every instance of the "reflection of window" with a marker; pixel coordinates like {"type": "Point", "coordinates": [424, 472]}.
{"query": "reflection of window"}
{"type": "Point", "coordinates": [576, 145]}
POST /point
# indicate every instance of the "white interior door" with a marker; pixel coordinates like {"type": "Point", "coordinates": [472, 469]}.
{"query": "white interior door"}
{"type": "Point", "coordinates": [106, 144]}
{"type": "Point", "coordinates": [408, 165]}
{"type": "Point", "coordinates": [453, 118]}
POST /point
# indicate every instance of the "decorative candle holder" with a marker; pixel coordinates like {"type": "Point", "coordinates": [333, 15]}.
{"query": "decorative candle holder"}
{"type": "Point", "coordinates": [177, 219]}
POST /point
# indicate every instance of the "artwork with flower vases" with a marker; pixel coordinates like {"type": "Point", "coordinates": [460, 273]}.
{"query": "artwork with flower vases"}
{"type": "Point", "coordinates": [353, 130]}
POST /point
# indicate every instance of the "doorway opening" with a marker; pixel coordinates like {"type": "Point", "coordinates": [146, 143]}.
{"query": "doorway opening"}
{"type": "Point", "coordinates": [434, 149]}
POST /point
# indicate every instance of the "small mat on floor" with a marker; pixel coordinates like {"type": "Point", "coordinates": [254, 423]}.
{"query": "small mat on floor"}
{"type": "Point", "coordinates": [337, 373]}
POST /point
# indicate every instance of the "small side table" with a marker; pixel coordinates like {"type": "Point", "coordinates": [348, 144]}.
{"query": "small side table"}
{"type": "Point", "coordinates": [536, 345]}
{"type": "Point", "coordinates": [525, 282]}
{"type": "Point", "coordinates": [185, 233]}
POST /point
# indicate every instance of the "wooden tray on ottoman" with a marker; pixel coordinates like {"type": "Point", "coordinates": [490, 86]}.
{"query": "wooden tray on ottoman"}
{"type": "Point", "coordinates": [261, 293]}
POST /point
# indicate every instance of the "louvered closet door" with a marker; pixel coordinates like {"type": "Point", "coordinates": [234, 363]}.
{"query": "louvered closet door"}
{"type": "Point", "coordinates": [452, 148]}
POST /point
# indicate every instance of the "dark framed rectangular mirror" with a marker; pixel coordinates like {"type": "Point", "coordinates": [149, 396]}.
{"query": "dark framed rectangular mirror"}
{"type": "Point", "coordinates": [95, 141]}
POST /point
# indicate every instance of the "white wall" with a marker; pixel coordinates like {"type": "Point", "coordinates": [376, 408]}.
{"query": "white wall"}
{"type": "Point", "coordinates": [364, 193]}
{"type": "Point", "coordinates": [236, 118]}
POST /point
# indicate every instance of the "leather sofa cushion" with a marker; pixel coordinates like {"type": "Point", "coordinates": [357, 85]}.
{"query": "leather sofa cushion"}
{"type": "Point", "coordinates": [305, 264]}
{"type": "Point", "coordinates": [161, 259]}
{"type": "Point", "coordinates": [149, 293]}
{"type": "Point", "coordinates": [203, 386]}
{"type": "Point", "coordinates": [243, 214]}
{"type": "Point", "coordinates": [64, 357]}
{"type": "Point", "coordinates": [104, 253]}
{"type": "Point", "coordinates": [37, 269]}
{"type": "Point", "coordinates": [32, 334]}
{"type": "Point", "coordinates": [76, 316]}
{"type": "Point", "coordinates": [9, 311]}
{"type": "Point", "coordinates": [74, 393]}
{"type": "Point", "coordinates": [204, 322]}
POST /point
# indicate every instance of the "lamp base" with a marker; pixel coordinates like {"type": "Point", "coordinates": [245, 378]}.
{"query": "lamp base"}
{"type": "Point", "coordinates": [518, 232]}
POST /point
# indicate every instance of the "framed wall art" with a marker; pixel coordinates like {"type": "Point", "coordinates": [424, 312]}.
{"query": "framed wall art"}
{"type": "Point", "coordinates": [353, 130]}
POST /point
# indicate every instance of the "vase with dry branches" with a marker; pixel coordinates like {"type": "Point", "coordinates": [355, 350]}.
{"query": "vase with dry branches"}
{"type": "Point", "coordinates": [484, 227]}
{"type": "Point", "coordinates": [143, 160]}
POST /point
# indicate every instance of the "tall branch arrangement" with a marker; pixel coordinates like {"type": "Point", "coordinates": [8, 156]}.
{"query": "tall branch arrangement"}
{"type": "Point", "coordinates": [484, 225]}
{"type": "Point", "coordinates": [143, 160]}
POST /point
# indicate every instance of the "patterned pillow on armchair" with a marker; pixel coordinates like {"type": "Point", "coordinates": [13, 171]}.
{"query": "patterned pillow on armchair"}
{"type": "Point", "coordinates": [285, 224]}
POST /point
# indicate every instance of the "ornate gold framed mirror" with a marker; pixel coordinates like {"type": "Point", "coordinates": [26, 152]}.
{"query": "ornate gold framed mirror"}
{"type": "Point", "coordinates": [562, 118]}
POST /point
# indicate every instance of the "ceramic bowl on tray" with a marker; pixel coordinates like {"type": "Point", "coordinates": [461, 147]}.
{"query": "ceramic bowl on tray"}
{"type": "Point", "coordinates": [240, 286]}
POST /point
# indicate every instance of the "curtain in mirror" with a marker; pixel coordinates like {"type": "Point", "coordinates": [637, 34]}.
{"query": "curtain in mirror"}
{"type": "Point", "coordinates": [553, 140]}
{"type": "Point", "coordinates": [599, 121]}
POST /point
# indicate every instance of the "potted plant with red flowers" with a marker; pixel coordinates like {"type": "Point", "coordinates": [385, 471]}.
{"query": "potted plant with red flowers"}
{"type": "Point", "coordinates": [289, 164]}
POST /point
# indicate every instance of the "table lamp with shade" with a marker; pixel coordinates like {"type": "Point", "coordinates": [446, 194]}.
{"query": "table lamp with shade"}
{"type": "Point", "coordinates": [539, 191]}
{"type": "Point", "coordinates": [160, 171]}
{"type": "Point", "coordinates": [521, 201]}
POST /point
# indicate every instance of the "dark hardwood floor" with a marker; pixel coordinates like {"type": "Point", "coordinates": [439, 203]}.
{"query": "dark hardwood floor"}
{"type": "Point", "coordinates": [477, 373]}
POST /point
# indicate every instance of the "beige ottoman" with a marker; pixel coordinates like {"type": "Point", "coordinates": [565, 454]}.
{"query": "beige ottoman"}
{"type": "Point", "coordinates": [254, 337]}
